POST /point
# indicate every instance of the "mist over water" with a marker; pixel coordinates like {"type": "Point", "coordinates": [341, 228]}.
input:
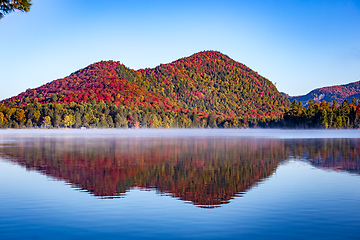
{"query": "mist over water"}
{"type": "Point", "coordinates": [180, 183]}
{"type": "Point", "coordinates": [125, 133]}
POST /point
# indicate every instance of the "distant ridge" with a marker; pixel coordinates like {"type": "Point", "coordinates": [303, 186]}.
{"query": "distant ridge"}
{"type": "Point", "coordinates": [336, 93]}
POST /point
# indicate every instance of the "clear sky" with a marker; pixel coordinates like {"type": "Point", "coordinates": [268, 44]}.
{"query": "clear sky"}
{"type": "Point", "coordinates": [299, 45]}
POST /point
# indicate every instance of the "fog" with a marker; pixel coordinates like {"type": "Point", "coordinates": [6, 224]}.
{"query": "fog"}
{"type": "Point", "coordinates": [9, 134]}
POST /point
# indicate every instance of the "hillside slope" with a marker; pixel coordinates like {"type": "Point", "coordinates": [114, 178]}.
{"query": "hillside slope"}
{"type": "Point", "coordinates": [212, 82]}
{"type": "Point", "coordinates": [98, 81]}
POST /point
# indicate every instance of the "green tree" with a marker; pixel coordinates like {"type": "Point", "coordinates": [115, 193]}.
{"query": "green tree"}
{"type": "Point", "coordinates": [78, 121]}
{"type": "Point", "coordinates": [120, 121]}
{"type": "Point", "coordinates": [54, 97]}
{"type": "Point", "coordinates": [325, 118]}
{"type": "Point", "coordinates": [8, 6]}
{"type": "Point", "coordinates": [102, 123]}
{"type": "Point", "coordinates": [37, 116]}
{"type": "Point", "coordinates": [85, 120]}
{"type": "Point", "coordinates": [338, 122]}
{"type": "Point", "coordinates": [110, 121]}
{"type": "Point", "coordinates": [29, 123]}
{"type": "Point", "coordinates": [353, 101]}
{"type": "Point", "coordinates": [211, 120]}
{"type": "Point", "coordinates": [56, 120]}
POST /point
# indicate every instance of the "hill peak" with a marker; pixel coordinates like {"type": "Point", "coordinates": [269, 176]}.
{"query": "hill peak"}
{"type": "Point", "coordinates": [212, 81]}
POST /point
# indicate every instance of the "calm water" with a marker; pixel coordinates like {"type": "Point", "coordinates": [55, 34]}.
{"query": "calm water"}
{"type": "Point", "coordinates": [179, 184]}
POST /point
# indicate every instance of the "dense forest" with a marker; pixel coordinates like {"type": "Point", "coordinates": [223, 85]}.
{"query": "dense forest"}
{"type": "Point", "coordinates": [101, 115]}
{"type": "Point", "coordinates": [205, 90]}
{"type": "Point", "coordinates": [323, 115]}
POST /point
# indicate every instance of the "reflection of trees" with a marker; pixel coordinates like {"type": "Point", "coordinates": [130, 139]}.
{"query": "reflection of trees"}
{"type": "Point", "coordinates": [334, 154]}
{"type": "Point", "coordinates": [211, 172]}
{"type": "Point", "coordinates": [205, 171]}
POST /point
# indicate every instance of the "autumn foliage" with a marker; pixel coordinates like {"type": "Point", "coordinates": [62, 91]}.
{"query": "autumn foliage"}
{"type": "Point", "coordinates": [207, 172]}
{"type": "Point", "coordinates": [336, 93]}
{"type": "Point", "coordinates": [207, 89]}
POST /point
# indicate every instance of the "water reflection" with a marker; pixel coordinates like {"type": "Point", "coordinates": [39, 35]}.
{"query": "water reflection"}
{"type": "Point", "coordinates": [331, 154]}
{"type": "Point", "coordinates": [206, 171]}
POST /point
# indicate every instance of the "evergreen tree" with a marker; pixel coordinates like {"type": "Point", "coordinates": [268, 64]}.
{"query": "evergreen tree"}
{"type": "Point", "coordinates": [78, 122]}
{"type": "Point", "coordinates": [29, 124]}
{"type": "Point", "coordinates": [110, 121]}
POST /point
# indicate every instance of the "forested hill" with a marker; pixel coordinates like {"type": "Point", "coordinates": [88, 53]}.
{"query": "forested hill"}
{"type": "Point", "coordinates": [207, 89]}
{"type": "Point", "coordinates": [210, 81]}
{"type": "Point", "coordinates": [97, 82]}
{"type": "Point", "coordinates": [329, 94]}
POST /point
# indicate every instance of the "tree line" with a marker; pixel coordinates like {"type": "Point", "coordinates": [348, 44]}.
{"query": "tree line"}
{"type": "Point", "coordinates": [322, 115]}
{"type": "Point", "coordinates": [101, 115]}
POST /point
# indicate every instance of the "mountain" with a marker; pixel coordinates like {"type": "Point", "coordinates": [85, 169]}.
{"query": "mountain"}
{"type": "Point", "coordinates": [98, 81]}
{"type": "Point", "coordinates": [206, 89]}
{"type": "Point", "coordinates": [336, 93]}
{"type": "Point", "coordinates": [210, 81]}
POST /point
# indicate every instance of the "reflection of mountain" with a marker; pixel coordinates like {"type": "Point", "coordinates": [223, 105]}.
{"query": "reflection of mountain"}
{"type": "Point", "coordinates": [333, 154]}
{"type": "Point", "coordinates": [205, 171]}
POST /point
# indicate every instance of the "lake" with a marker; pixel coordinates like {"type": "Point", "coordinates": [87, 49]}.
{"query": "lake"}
{"type": "Point", "coordinates": [180, 184]}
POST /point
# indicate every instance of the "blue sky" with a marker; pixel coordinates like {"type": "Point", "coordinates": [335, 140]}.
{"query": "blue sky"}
{"type": "Point", "coordinates": [299, 45]}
